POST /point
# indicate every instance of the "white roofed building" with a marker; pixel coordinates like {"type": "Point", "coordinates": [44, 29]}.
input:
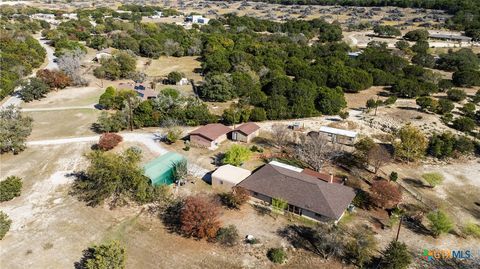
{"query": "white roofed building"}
{"type": "Point", "coordinates": [228, 176]}
{"type": "Point", "coordinates": [340, 136]}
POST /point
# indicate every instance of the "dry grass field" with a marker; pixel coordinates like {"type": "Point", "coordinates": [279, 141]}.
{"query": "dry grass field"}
{"type": "Point", "coordinates": [62, 124]}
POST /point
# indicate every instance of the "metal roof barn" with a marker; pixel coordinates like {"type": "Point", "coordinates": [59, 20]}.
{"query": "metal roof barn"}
{"type": "Point", "coordinates": [160, 169]}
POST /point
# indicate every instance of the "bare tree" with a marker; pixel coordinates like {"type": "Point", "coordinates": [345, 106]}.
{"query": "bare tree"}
{"type": "Point", "coordinates": [377, 157]}
{"type": "Point", "coordinates": [316, 150]}
{"type": "Point", "coordinates": [70, 63]}
{"type": "Point", "coordinates": [281, 135]}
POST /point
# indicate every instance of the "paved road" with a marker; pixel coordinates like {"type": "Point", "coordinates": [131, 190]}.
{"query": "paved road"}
{"type": "Point", "coordinates": [15, 99]}
{"type": "Point", "coordinates": [150, 140]}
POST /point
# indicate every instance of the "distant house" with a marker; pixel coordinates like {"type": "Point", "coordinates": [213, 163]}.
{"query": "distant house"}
{"type": "Point", "coordinates": [304, 194]}
{"type": "Point", "coordinates": [449, 37]}
{"type": "Point", "coordinates": [210, 135]}
{"type": "Point", "coordinates": [197, 19]}
{"type": "Point", "coordinates": [228, 176]}
{"type": "Point", "coordinates": [161, 170]}
{"type": "Point", "coordinates": [103, 54]}
{"type": "Point", "coordinates": [70, 16]}
{"type": "Point", "coordinates": [183, 81]}
{"type": "Point", "coordinates": [245, 132]}
{"type": "Point", "coordinates": [157, 15]}
{"type": "Point", "coordinates": [335, 135]}
{"type": "Point", "coordinates": [147, 93]}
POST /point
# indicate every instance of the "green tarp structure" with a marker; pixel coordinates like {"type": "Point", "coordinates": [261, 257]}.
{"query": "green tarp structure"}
{"type": "Point", "coordinates": [160, 169]}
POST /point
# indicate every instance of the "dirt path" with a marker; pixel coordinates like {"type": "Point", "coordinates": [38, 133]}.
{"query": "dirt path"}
{"type": "Point", "coordinates": [92, 106]}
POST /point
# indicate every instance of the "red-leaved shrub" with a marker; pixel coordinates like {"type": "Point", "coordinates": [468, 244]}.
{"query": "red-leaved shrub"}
{"type": "Point", "coordinates": [109, 140]}
{"type": "Point", "coordinates": [199, 217]}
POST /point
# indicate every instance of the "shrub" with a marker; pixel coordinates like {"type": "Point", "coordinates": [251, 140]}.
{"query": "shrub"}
{"type": "Point", "coordinates": [396, 256]}
{"type": "Point", "coordinates": [228, 236]}
{"type": "Point", "coordinates": [199, 217]}
{"type": "Point", "coordinates": [10, 188]}
{"type": "Point", "coordinates": [237, 155]}
{"type": "Point", "coordinates": [433, 178]}
{"type": "Point", "coordinates": [108, 141]}
{"type": "Point", "coordinates": [456, 95]}
{"type": "Point", "coordinates": [385, 194]}
{"type": "Point", "coordinates": [277, 255]}
{"type": "Point", "coordinates": [234, 199]}
{"type": "Point", "coordinates": [343, 114]}
{"type": "Point", "coordinates": [472, 229]}
{"type": "Point", "coordinates": [464, 124]}
{"type": "Point", "coordinates": [174, 77]}
{"type": "Point", "coordinates": [173, 134]}
{"type": "Point", "coordinates": [390, 100]}
{"type": "Point", "coordinates": [5, 223]}
{"type": "Point", "coordinates": [440, 222]}
{"type": "Point", "coordinates": [393, 176]}
{"type": "Point", "coordinates": [105, 256]}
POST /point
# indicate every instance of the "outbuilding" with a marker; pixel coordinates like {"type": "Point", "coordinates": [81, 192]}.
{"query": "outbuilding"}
{"type": "Point", "coordinates": [161, 169]}
{"type": "Point", "coordinates": [228, 176]}
{"type": "Point", "coordinates": [245, 132]}
{"type": "Point", "coordinates": [209, 136]}
{"type": "Point", "coordinates": [340, 136]}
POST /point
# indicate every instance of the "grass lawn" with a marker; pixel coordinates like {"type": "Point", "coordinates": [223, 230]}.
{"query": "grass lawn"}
{"type": "Point", "coordinates": [68, 97]}
{"type": "Point", "coordinates": [62, 124]}
{"type": "Point", "coordinates": [164, 65]}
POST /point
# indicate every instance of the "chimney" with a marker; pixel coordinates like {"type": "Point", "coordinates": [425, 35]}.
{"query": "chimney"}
{"type": "Point", "coordinates": [331, 177]}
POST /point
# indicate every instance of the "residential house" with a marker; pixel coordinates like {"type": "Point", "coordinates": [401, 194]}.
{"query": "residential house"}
{"type": "Point", "coordinates": [335, 135]}
{"type": "Point", "coordinates": [210, 135]}
{"type": "Point", "coordinates": [304, 194]}
{"type": "Point", "coordinates": [245, 132]}
{"type": "Point", "coordinates": [228, 176]}
{"type": "Point", "coordinates": [197, 19]}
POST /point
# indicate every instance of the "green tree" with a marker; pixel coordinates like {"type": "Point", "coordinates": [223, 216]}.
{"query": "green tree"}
{"type": "Point", "coordinates": [362, 246]}
{"type": "Point", "coordinates": [440, 222]}
{"type": "Point", "coordinates": [14, 130]}
{"type": "Point", "coordinates": [330, 101]}
{"type": "Point", "coordinates": [174, 77]}
{"type": "Point", "coordinates": [107, 122]}
{"type": "Point", "coordinates": [396, 256]}
{"type": "Point", "coordinates": [218, 87]}
{"type": "Point", "coordinates": [107, 99]}
{"type": "Point", "coordinates": [444, 106]}
{"type": "Point", "coordinates": [237, 155]}
{"type": "Point", "coordinates": [402, 45]}
{"type": "Point", "coordinates": [456, 95]}
{"type": "Point", "coordinates": [417, 35]}
{"type": "Point", "coordinates": [33, 89]}
{"type": "Point", "coordinates": [412, 144]}
{"type": "Point", "coordinates": [466, 78]}
{"type": "Point", "coordinates": [258, 114]}
{"type": "Point", "coordinates": [115, 175]}
{"type": "Point", "coordinates": [10, 188]}
{"type": "Point", "coordinates": [5, 223]}
{"type": "Point", "coordinates": [111, 255]}
{"type": "Point", "coordinates": [386, 30]}
{"type": "Point", "coordinates": [150, 47]}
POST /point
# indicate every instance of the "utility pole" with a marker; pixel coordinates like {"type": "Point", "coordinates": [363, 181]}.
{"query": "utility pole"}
{"type": "Point", "coordinates": [399, 226]}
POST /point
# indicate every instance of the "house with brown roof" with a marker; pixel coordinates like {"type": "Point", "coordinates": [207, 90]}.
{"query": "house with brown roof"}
{"type": "Point", "coordinates": [209, 136]}
{"type": "Point", "coordinates": [306, 195]}
{"type": "Point", "coordinates": [245, 132]}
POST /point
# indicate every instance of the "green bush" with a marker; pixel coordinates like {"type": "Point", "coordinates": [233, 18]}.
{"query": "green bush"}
{"type": "Point", "coordinates": [433, 178]}
{"type": "Point", "coordinates": [5, 223]}
{"type": "Point", "coordinates": [10, 188]}
{"type": "Point", "coordinates": [277, 255]}
{"type": "Point", "coordinates": [472, 229]}
{"type": "Point", "coordinates": [393, 176]}
{"type": "Point", "coordinates": [228, 236]}
{"type": "Point", "coordinates": [440, 222]}
{"type": "Point", "coordinates": [237, 155]}
{"type": "Point", "coordinates": [456, 95]}
{"type": "Point", "coordinates": [396, 256]}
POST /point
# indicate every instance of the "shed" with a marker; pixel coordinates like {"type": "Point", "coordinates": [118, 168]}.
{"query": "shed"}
{"type": "Point", "coordinates": [338, 135]}
{"type": "Point", "coordinates": [245, 132]}
{"type": "Point", "coordinates": [160, 169]}
{"type": "Point", "coordinates": [228, 176]}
